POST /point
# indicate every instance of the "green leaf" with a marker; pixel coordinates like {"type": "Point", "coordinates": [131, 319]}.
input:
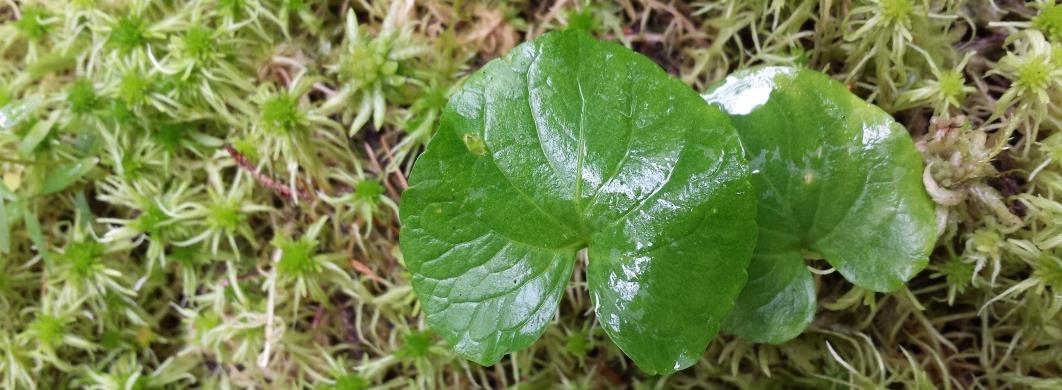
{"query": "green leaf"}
{"type": "Point", "coordinates": [33, 229]}
{"type": "Point", "coordinates": [66, 174]}
{"type": "Point", "coordinates": [51, 62]}
{"type": "Point", "coordinates": [835, 176]}
{"type": "Point", "coordinates": [83, 210]}
{"type": "Point", "coordinates": [36, 135]}
{"type": "Point", "coordinates": [569, 143]}
{"type": "Point", "coordinates": [16, 112]}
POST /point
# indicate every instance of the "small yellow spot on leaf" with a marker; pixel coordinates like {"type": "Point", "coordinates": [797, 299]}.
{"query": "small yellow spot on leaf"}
{"type": "Point", "coordinates": [475, 144]}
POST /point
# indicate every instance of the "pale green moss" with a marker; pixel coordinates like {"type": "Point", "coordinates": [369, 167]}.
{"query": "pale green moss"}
{"type": "Point", "coordinates": [232, 224]}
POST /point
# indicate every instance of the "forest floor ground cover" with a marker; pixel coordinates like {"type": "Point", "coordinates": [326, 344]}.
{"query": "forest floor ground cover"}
{"type": "Point", "coordinates": [205, 193]}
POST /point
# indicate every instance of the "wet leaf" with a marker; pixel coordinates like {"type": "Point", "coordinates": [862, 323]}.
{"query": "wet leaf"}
{"type": "Point", "coordinates": [835, 176]}
{"type": "Point", "coordinates": [16, 112]}
{"type": "Point", "coordinates": [570, 143]}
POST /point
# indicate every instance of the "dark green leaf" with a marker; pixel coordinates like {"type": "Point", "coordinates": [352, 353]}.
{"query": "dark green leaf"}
{"type": "Point", "coordinates": [569, 143]}
{"type": "Point", "coordinates": [835, 176]}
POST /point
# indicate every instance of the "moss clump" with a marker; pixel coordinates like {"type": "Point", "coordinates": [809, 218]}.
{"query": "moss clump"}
{"type": "Point", "coordinates": [896, 11]}
{"type": "Point", "coordinates": [297, 257]}
{"type": "Point", "coordinates": [83, 257]}
{"type": "Point", "coordinates": [82, 97]}
{"type": "Point", "coordinates": [49, 330]}
{"type": "Point", "coordinates": [170, 135]}
{"type": "Point", "coordinates": [128, 33]}
{"type": "Point", "coordinates": [1050, 21]}
{"type": "Point", "coordinates": [32, 22]}
{"type": "Point", "coordinates": [198, 43]}
{"type": "Point", "coordinates": [152, 220]}
{"type": "Point", "coordinates": [134, 88]}
{"type": "Point", "coordinates": [281, 114]}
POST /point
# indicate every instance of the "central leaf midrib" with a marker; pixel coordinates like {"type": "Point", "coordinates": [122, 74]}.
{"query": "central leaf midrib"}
{"type": "Point", "coordinates": [494, 162]}
{"type": "Point", "coordinates": [582, 232]}
{"type": "Point", "coordinates": [581, 139]}
{"type": "Point", "coordinates": [630, 141]}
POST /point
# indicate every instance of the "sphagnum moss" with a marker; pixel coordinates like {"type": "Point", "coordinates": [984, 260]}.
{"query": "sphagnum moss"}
{"type": "Point", "coordinates": [190, 197]}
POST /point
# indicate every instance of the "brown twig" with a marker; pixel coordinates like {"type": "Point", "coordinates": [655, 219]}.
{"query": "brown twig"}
{"type": "Point", "coordinates": [267, 181]}
{"type": "Point", "coordinates": [324, 89]}
{"type": "Point", "coordinates": [364, 269]}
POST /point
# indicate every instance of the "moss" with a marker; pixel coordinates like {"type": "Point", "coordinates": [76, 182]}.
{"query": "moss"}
{"type": "Point", "coordinates": [225, 216]}
{"type": "Point", "coordinates": [896, 11]}
{"type": "Point", "coordinates": [246, 148]}
{"type": "Point", "coordinates": [170, 135]}
{"type": "Point", "coordinates": [83, 257]}
{"type": "Point", "coordinates": [189, 256]}
{"type": "Point", "coordinates": [577, 344]}
{"type": "Point", "coordinates": [134, 88]}
{"type": "Point", "coordinates": [333, 105]}
{"type": "Point", "coordinates": [128, 33]}
{"type": "Point", "coordinates": [297, 257]}
{"type": "Point", "coordinates": [1033, 75]}
{"type": "Point", "coordinates": [82, 97]}
{"type": "Point", "coordinates": [1049, 270]}
{"type": "Point", "coordinates": [952, 84]}
{"type": "Point", "coordinates": [583, 20]}
{"type": "Point", "coordinates": [199, 42]}
{"type": "Point", "coordinates": [1049, 20]}
{"type": "Point", "coordinates": [368, 190]}
{"type": "Point", "coordinates": [958, 273]}
{"type": "Point", "coordinates": [120, 113]}
{"type": "Point", "coordinates": [415, 345]}
{"type": "Point", "coordinates": [281, 114]}
{"type": "Point", "coordinates": [31, 23]}
{"type": "Point", "coordinates": [351, 382]}
{"type": "Point", "coordinates": [232, 8]}
{"type": "Point", "coordinates": [49, 330]}
{"type": "Point", "coordinates": [368, 63]}
{"type": "Point", "coordinates": [152, 219]}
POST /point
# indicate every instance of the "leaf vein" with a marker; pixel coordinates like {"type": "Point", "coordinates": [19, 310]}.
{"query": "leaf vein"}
{"type": "Point", "coordinates": [630, 142]}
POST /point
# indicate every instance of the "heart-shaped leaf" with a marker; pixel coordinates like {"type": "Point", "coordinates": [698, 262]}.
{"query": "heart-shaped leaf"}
{"type": "Point", "coordinates": [569, 143]}
{"type": "Point", "coordinates": [836, 177]}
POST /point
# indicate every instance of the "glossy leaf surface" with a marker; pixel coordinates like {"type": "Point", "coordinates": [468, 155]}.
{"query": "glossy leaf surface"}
{"type": "Point", "coordinates": [835, 176]}
{"type": "Point", "coordinates": [15, 113]}
{"type": "Point", "coordinates": [569, 143]}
